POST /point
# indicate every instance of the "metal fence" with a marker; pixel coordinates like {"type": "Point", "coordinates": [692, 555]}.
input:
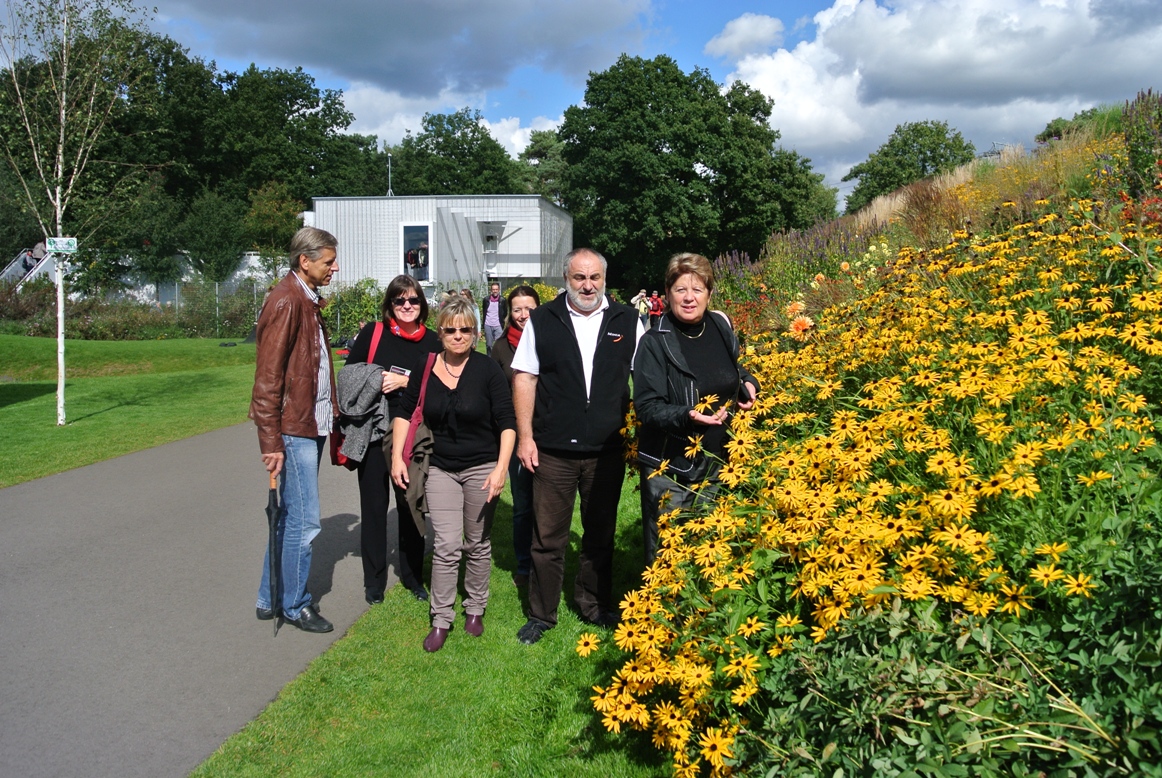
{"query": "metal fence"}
{"type": "Point", "coordinates": [209, 308]}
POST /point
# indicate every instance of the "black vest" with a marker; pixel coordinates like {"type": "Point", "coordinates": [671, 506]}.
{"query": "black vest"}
{"type": "Point", "coordinates": [563, 419]}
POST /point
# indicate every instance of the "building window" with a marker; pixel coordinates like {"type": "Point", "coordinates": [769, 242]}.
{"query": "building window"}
{"type": "Point", "coordinates": [416, 252]}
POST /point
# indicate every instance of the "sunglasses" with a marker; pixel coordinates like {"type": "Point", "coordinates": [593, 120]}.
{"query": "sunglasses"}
{"type": "Point", "coordinates": [454, 330]}
{"type": "Point", "coordinates": [400, 302]}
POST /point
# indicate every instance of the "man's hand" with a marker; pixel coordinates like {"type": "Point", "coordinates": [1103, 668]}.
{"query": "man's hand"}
{"type": "Point", "coordinates": [526, 452]}
{"type": "Point", "coordinates": [524, 395]}
{"type": "Point", "coordinates": [273, 462]}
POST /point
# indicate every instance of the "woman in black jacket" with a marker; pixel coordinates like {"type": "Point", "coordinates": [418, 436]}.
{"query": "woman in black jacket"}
{"type": "Point", "coordinates": [522, 301]}
{"type": "Point", "coordinates": [404, 342]}
{"type": "Point", "coordinates": [688, 359]}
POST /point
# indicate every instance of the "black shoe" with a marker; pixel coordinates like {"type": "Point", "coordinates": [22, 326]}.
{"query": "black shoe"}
{"type": "Point", "coordinates": [420, 593]}
{"type": "Point", "coordinates": [372, 596]}
{"type": "Point", "coordinates": [532, 631]}
{"type": "Point", "coordinates": [604, 619]}
{"type": "Point", "coordinates": [310, 621]}
{"type": "Point", "coordinates": [264, 614]}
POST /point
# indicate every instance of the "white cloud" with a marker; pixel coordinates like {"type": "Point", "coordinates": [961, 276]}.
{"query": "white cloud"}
{"type": "Point", "coordinates": [748, 34]}
{"type": "Point", "coordinates": [390, 115]}
{"type": "Point", "coordinates": [997, 70]}
{"type": "Point", "coordinates": [514, 137]}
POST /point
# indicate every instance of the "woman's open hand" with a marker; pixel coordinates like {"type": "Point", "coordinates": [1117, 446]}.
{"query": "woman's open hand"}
{"type": "Point", "coordinates": [495, 483]}
{"type": "Point", "coordinates": [715, 419]}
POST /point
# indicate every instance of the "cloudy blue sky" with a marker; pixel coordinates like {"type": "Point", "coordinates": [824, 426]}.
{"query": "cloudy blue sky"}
{"type": "Point", "coordinates": [843, 74]}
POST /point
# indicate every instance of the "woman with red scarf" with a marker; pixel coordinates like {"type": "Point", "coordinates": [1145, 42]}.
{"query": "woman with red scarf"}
{"type": "Point", "coordinates": [404, 343]}
{"type": "Point", "coordinates": [521, 302]}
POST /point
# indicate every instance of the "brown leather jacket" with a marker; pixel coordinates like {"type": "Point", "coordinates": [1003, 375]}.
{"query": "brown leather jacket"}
{"type": "Point", "coordinates": [286, 373]}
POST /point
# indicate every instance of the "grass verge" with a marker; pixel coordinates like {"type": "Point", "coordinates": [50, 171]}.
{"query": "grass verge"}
{"type": "Point", "coordinates": [120, 398]}
{"type": "Point", "coordinates": [376, 704]}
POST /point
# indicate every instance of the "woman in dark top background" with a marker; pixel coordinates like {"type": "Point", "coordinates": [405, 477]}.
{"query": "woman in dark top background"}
{"type": "Point", "coordinates": [468, 408]}
{"type": "Point", "coordinates": [690, 355]}
{"type": "Point", "coordinates": [522, 301]}
{"type": "Point", "coordinates": [405, 342]}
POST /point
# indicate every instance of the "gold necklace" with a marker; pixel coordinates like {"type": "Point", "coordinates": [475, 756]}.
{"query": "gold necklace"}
{"type": "Point", "coordinates": [695, 337]}
{"type": "Point", "coordinates": [444, 356]}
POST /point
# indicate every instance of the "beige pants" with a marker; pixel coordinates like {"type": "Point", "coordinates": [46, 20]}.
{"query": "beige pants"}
{"type": "Point", "coordinates": [462, 523]}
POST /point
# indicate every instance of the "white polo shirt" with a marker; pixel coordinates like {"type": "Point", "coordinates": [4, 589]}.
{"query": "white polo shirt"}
{"type": "Point", "coordinates": [587, 328]}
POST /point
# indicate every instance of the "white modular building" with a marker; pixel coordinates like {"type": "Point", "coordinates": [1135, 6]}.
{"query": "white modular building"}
{"type": "Point", "coordinates": [446, 240]}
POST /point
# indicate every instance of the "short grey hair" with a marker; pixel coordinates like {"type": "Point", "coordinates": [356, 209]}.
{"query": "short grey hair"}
{"type": "Point", "coordinates": [310, 241]}
{"type": "Point", "coordinates": [583, 250]}
{"type": "Point", "coordinates": [458, 308]}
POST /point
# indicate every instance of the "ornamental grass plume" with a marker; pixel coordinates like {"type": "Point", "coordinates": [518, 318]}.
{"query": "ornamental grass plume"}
{"type": "Point", "coordinates": [960, 448]}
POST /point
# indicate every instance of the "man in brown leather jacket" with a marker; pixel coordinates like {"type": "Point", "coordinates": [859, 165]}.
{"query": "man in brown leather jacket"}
{"type": "Point", "coordinates": [294, 409]}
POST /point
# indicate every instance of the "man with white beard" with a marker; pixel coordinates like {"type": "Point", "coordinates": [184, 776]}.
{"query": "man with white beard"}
{"type": "Point", "coordinates": [571, 391]}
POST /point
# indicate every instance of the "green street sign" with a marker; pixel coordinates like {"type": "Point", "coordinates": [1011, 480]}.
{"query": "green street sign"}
{"type": "Point", "coordinates": [62, 245]}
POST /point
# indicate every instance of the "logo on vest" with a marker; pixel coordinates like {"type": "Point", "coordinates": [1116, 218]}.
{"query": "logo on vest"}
{"type": "Point", "coordinates": [615, 335]}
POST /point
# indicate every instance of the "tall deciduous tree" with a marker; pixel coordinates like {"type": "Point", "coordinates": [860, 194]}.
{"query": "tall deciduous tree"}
{"type": "Point", "coordinates": [274, 125]}
{"type": "Point", "coordinates": [148, 235]}
{"type": "Point", "coordinates": [454, 154]}
{"type": "Point", "coordinates": [544, 164]}
{"type": "Point", "coordinates": [915, 150]}
{"type": "Point", "coordinates": [662, 161]}
{"type": "Point", "coordinates": [214, 236]}
{"type": "Point", "coordinates": [68, 65]}
{"type": "Point", "coordinates": [270, 224]}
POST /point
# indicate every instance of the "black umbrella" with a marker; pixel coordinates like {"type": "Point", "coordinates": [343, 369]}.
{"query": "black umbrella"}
{"type": "Point", "coordinates": [273, 551]}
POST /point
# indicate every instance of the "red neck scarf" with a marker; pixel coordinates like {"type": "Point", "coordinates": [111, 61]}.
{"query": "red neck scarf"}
{"type": "Point", "coordinates": [513, 335]}
{"type": "Point", "coordinates": [414, 337]}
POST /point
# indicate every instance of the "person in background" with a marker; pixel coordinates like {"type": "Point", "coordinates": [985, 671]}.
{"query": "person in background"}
{"type": "Point", "coordinates": [292, 406]}
{"type": "Point", "coordinates": [689, 358]}
{"type": "Point", "coordinates": [404, 343]}
{"type": "Point", "coordinates": [351, 340]}
{"type": "Point", "coordinates": [493, 312]}
{"type": "Point", "coordinates": [466, 293]}
{"type": "Point", "coordinates": [571, 390]}
{"type": "Point", "coordinates": [468, 408]}
{"type": "Point", "coordinates": [522, 301]}
{"type": "Point", "coordinates": [657, 308]}
{"type": "Point", "coordinates": [641, 301]}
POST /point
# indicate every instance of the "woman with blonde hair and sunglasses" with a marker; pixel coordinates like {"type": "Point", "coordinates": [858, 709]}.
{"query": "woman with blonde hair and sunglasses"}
{"type": "Point", "coordinates": [468, 408]}
{"type": "Point", "coordinates": [403, 340]}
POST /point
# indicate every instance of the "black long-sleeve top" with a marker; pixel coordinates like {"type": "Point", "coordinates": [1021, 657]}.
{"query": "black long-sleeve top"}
{"type": "Point", "coordinates": [466, 422]}
{"type": "Point", "coordinates": [393, 351]}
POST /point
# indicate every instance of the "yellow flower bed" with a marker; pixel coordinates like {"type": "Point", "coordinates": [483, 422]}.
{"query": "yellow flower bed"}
{"type": "Point", "coordinates": [933, 441]}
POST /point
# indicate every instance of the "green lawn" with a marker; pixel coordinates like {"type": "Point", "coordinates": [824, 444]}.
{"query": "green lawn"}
{"type": "Point", "coordinates": [377, 704]}
{"type": "Point", "coordinates": [120, 397]}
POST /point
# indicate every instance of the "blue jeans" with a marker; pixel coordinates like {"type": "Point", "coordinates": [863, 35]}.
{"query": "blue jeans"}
{"type": "Point", "coordinates": [521, 483]}
{"type": "Point", "coordinates": [492, 333]}
{"type": "Point", "coordinates": [298, 524]}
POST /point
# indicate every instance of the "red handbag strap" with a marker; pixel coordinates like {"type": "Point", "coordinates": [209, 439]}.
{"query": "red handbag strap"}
{"type": "Point", "coordinates": [424, 383]}
{"type": "Point", "coordinates": [375, 335]}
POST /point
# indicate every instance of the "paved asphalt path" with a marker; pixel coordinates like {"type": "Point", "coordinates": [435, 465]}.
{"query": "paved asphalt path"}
{"type": "Point", "coordinates": [128, 642]}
